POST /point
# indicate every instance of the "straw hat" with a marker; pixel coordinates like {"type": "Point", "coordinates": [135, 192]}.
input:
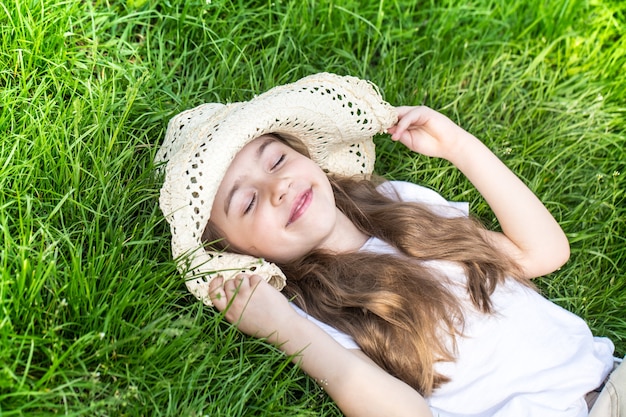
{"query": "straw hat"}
{"type": "Point", "coordinates": [334, 116]}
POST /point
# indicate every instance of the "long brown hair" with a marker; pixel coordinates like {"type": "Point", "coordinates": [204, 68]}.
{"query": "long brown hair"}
{"type": "Point", "coordinates": [400, 312]}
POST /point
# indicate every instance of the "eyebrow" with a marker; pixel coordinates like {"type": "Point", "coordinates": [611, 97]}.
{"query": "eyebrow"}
{"type": "Point", "coordinates": [257, 155]}
{"type": "Point", "coordinates": [261, 149]}
{"type": "Point", "coordinates": [229, 198]}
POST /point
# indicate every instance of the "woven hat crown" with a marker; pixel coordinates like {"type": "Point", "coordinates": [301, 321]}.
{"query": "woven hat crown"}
{"type": "Point", "coordinates": [335, 117]}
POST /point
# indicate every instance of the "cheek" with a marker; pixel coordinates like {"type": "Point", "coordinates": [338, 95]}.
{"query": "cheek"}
{"type": "Point", "coordinates": [248, 237]}
{"type": "Point", "coordinates": [228, 230]}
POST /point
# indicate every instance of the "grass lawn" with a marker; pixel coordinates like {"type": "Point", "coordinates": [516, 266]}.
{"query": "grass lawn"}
{"type": "Point", "coordinates": [95, 320]}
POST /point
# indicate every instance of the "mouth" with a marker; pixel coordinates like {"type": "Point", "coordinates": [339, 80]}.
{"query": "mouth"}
{"type": "Point", "coordinates": [300, 205]}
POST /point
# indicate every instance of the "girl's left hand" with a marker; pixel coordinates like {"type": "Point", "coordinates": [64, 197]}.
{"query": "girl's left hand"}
{"type": "Point", "coordinates": [428, 132]}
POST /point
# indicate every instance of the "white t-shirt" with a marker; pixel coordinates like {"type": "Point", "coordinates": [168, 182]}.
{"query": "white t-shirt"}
{"type": "Point", "coordinates": [531, 358]}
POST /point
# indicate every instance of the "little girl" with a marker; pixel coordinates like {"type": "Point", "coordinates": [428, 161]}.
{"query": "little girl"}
{"type": "Point", "coordinates": [401, 304]}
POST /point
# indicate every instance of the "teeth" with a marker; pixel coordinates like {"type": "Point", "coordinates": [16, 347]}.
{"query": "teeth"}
{"type": "Point", "coordinates": [297, 208]}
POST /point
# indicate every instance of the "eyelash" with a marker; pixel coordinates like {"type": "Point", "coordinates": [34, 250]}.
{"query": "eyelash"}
{"type": "Point", "coordinates": [280, 161]}
{"type": "Point", "coordinates": [251, 205]}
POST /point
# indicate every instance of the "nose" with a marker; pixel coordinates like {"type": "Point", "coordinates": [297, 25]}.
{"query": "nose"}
{"type": "Point", "coordinates": [278, 190]}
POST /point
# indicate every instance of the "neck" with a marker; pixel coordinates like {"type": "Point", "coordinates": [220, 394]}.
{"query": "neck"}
{"type": "Point", "coordinates": [346, 237]}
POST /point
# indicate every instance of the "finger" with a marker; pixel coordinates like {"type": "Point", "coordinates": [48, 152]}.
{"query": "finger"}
{"type": "Point", "coordinates": [231, 286]}
{"type": "Point", "coordinates": [242, 282]}
{"type": "Point", "coordinates": [241, 278]}
{"type": "Point", "coordinates": [409, 116]}
{"type": "Point", "coordinates": [217, 294]}
{"type": "Point", "coordinates": [216, 283]}
{"type": "Point", "coordinates": [406, 117]}
{"type": "Point", "coordinates": [255, 280]}
{"type": "Point", "coordinates": [403, 110]}
{"type": "Point", "coordinates": [412, 122]}
{"type": "Point", "coordinates": [396, 134]}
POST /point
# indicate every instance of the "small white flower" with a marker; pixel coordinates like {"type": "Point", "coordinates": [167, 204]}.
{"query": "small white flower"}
{"type": "Point", "coordinates": [101, 334]}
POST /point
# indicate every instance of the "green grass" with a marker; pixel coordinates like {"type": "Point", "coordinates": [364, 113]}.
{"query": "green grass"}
{"type": "Point", "coordinates": [94, 318]}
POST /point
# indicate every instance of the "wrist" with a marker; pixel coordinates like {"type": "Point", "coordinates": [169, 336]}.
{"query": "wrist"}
{"type": "Point", "coordinates": [286, 328]}
{"type": "Point", "coordinates": [296, 335]}
{"type": "Point", "coordinates": [465, 150]}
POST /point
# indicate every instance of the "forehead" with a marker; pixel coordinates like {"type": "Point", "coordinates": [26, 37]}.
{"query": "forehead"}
{"type": "Point", "coordinates": [245, 159]}
{"type": "Point", "coordinates": [252, 149]}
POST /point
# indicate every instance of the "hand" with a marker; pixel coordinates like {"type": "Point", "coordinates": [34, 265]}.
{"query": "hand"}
{"type": "Point", "coordinates": [253, 305]}
{"type": "Point", "coordinates": [428, 132]}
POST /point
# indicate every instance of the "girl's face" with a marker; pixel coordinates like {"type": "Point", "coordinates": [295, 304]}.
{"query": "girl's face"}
{"type": "Point", "coordinates": [274, 202]}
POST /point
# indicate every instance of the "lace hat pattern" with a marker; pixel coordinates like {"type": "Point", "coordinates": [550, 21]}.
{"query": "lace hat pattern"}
{"type": "Point", "coordinates": [335, 116]}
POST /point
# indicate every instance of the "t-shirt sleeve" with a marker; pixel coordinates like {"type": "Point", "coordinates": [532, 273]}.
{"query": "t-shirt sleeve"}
{"type": "Point", "coordinates": [409, 192]}
{"type": "Point", "coordinates": [343, 339]}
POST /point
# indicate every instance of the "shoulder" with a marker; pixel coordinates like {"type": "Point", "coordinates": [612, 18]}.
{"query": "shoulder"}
{"type": "Point", "coordinates": [414, 193]}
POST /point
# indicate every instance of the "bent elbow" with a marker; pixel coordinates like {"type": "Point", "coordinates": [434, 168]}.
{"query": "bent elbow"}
{"type": "Point", "coordinates": [555, 263]}
{"type": "Point", "coordinates": [563, 253]}
{"type": "Point", "coordinates": [545, 260]}
{"type": "Point", "coordinates": [557, 256]}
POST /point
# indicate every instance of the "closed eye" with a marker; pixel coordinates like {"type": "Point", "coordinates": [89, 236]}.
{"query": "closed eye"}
{"type": "Point", "coordinates": [250, 205]}
{"type": "Point", "coordinates": [278, 161]}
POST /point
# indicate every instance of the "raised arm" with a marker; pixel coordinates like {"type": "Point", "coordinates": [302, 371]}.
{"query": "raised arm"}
{"type": "Point", "coordinates": [530, 234]}
{"type": "Point", "coordinates": [355, 383]}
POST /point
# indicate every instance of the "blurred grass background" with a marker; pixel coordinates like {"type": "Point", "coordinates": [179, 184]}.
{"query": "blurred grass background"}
{"type": "Point", "coordinates": [94, 318]}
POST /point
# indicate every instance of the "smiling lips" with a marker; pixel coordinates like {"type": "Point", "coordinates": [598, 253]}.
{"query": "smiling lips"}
{"type": "Point", "coordinates": [300, 205]}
